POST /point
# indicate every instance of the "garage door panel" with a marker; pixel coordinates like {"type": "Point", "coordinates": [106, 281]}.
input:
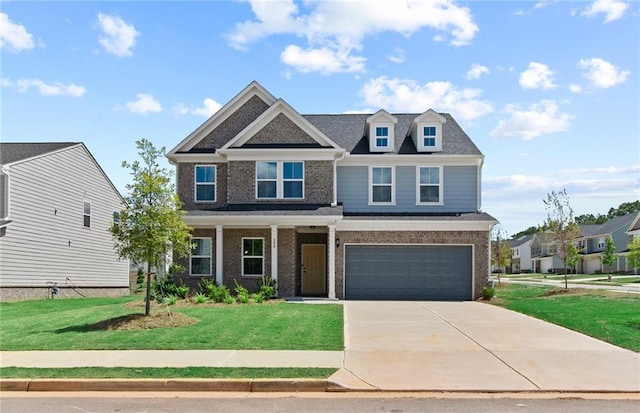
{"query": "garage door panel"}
{"type": "Point", "coordinates": [408, 272]}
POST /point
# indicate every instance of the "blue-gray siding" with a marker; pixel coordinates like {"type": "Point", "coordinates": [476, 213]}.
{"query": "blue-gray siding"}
{"type": "Point", "coordinates": [460, 190]}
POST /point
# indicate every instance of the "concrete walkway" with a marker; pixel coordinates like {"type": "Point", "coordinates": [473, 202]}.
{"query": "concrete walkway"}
{"type": "Point", "coordinates": [470, 346]}
{"type": "Point", "coordinates": [625, 288]}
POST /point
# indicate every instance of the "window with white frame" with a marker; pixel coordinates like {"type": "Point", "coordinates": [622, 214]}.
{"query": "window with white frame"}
{"type": "Point", "coordinates": [429, 136]}
{"type": "Point", "coordinates": [381, 190]}
{"type": "Point", "coordinates": [200, 260]}
{"type": "Point", "coordinates": [382, 136]}
{"type": "Point", "coordinates": [429, 185]}
{"type": "Point", "coordinates": [116, 217]}
{"type": "Point", "coordinates": [279, 180]}
{"type": "Point", "coordinates": [205, 182]}
{"type": "Point", "coordinates": [600, 242]}
{"type": "Point", "coordinates": [87, 214]}
{"type": "Point", "coordinates": [253, 256]}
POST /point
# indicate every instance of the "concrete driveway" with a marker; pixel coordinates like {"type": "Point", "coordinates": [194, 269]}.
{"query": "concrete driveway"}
{"type": "Point", "coordinates": [471, 346]}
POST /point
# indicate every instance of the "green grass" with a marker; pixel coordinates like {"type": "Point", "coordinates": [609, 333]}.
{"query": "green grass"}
{"type": "Point", "coordinates": [68, 324]}
{"type": "Point", "coordinates": [608, 316]}
{"type": "Point", "coordinates": [165, 373]}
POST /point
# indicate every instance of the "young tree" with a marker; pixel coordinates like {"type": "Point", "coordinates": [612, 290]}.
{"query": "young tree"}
{"type": "Point", "coordinates": [500, 250]}
{"type": "Point", "coordinates": [151, 225]}
{"type": "Point", "coordinates": [572, 255]}
{"type": "Point", "coordinates": [634, 254]}
{"type": "Point", "coordinates": [562, 228]}
{"type": "Point", "coordinates": [609, 254]}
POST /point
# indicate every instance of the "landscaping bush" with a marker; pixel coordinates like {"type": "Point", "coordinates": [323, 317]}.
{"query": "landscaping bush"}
{"type": "Point", "coordinates": [200, 298]}
{"type": "Point", "coordinates": [267, 287]}
{"type": "Point", "coordinates": [172, 299]}
{"type": "Point", "coordinates": [218, 294]}
{"type": "Point", "coordinates": [257, 297]}
{"type": "Point", "coordinates": [242, 294]}
{"type": "Point", "coordinates": [488, 293]}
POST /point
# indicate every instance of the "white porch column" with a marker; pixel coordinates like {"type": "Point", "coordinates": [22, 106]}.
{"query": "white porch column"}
{"type": "Point", "coordinates": [219, 249]}
{"type": "Point", "coordinates": [331, 273]}
{"type": "Point", "coordinates": [274, 252]}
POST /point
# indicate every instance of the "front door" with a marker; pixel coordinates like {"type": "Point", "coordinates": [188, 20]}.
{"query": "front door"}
{"type": "Point", "coordinates": [314, 269]}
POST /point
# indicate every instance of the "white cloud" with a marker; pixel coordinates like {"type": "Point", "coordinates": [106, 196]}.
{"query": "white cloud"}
{"type": "Point", "coordinates": [118, 37]}
{"type": "Point", "coordinates": [612, 9]}
{"type": "Point", "coordinates": [208, 108]}
{"type": "Point", "coordinates": [145, 104]}
{"type": "Point", "coordinates": [476, 71]}
{"type": "Point", "coordinates": [601, 73]}
{"type": "Point", "coordinates": [575, 88]}
{"type": "Point", "coordinates": [55, 89]}
{"type": "Point", "coordinates": [402, 95]}
{"type": "Point", "coordinates": [397, 56]}
{"type": "Point", "coordinates": [332, 32]}
{"type": "Point", "coordinates": [537, 76]}
{"type": "Point", "coordinates": [541, 118]}
{"type": "Point", "coordinates": [14, 37]}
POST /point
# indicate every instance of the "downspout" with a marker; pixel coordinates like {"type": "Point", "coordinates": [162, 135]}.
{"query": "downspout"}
{"type": "Point", "coordinates": [479, 184]}
{"type": "Point", "coordinates": [335, 179]}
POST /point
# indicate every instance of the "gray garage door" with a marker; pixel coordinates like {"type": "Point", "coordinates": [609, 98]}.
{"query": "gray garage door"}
{"type": "Point", "coordinates": [408, 272]}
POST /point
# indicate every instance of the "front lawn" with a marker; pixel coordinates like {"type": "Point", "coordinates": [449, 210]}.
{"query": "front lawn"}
{"type": "Point", "coordinates": [606, 315]}
{"type": "Point", "coordinates": [76, 324]}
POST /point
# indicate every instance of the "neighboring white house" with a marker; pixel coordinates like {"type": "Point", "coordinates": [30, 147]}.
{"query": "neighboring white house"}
{"type": "Point", "coordinates": [57, 205]}
{"type": "Point", "coordinates": [521, 254]}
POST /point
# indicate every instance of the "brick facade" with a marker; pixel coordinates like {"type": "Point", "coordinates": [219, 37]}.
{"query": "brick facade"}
{"type": "Point", "coordinates": [186, 186]}
{"type": "Point", "coordinates": [281, 130]}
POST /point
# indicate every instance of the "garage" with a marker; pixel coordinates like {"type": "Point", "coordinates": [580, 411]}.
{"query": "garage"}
{"type": "Point", "coordinates": [408, 272]}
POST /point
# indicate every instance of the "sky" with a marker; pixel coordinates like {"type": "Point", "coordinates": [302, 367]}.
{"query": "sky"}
{"type": "Point", "coordinates": [549, 91]}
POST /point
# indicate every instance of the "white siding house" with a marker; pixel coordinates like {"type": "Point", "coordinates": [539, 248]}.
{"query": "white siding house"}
{"type": "Point", "coordinates": [58, 206]}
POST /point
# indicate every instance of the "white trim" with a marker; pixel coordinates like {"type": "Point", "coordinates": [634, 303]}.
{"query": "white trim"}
{"type": "Point", "coordinates": [195, 184]}
{"type": "Point", "coordinates": [286, 154]}
{"type": "Point", "coordinates": [413, 225]}
{"type": "Point", "coordinates": [6, 196]}
{"type": "Point", "coordinates": [393, 185]}
{"type": "Point", "coordinates": [279, 180]}
{"type": "Point", "coordinates": [191, 256]}
{"type": "Point", "coordinates": [204, 158]}
{"type": "Point", "coordinates": [274, 253]}
{"type": "Point", "coordinates": [253, 89]}
{"type": "Point", "coordinates": [411, 160]}
{"type": "Point", "coordinates": [440, 186]}
{"type": "Point", "coordinates": [252, 221]}
{"type": "Point", "coordinates": [331, 271]}
{"type": "Point", "coordinates": [219, 254]}
{"type": "Point", "coordinates": [84, 213]}
{"type": "Point", "coordinates": [242, 256]}
{"type": "Point", "coordinates": [277, 108]}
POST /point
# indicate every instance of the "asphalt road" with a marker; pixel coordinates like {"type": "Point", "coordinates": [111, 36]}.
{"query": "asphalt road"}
{"type": "Point", "coordinates": [347, 403]}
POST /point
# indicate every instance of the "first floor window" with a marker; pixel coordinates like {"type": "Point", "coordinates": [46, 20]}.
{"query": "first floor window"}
{"type": "Point", "coordinates": [381, 184]}
{"type": "Point", "coordinates": [200, 256]}
{"type": "Point", "coordinates": [429, 133]}
{"type": "Point", "coordinates": [205, 179]}
{"type": "Point", "coordinates": [87, 214]}
{"type": "Point", "coordinates": [252, 256]}
{"type": "Point", "coordinates": [429, 185]}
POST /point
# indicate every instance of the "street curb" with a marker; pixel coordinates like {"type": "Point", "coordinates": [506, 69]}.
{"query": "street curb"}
{"type": "Point", "coordinates": [141, 385]}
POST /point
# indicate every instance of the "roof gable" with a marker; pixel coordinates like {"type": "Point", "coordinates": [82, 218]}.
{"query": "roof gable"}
{"type": "Point", "coordinates": [254, 89]}
{"type": "Point", "coordinates": [11, 152]}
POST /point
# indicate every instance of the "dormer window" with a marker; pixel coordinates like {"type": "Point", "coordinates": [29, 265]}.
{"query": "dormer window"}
{"type": "Point", "coordinates": [380, 131]}
{"type": "Point", "coordinates": [426, 131]}
{"type": "Point", "coordinates": [382, 136]}
{"type": "Point", "coordinates": [429, 136]}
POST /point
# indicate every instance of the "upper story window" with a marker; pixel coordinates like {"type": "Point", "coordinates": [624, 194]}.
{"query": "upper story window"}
{"type": "Point", "coordinates": [200, 260]}
{"type": "Point", "coordinates": [116, 217]}
{"type": "Point", "coordinates": [87, 214]}
{"type": "Point", "coordinates": [382, 136]}
{"type": "Point", "coordinates": [205, 182]}
{"type": "Point", "coordinates": [429, 136]}
{"type": "Point", "coordinates": [381, 186]}
{"type": "Point", "coordinates": [253, 256]}
{"type": "Point", "coordinates": [279, 180]}
{"type": "Point", "coordinates": [600, 242]}
{"type": "Point", "coordinates": [429, 189]}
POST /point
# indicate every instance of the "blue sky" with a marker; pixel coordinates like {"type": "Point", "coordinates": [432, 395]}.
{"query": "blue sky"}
{"type": "Point", "coordinates": [548, 90]}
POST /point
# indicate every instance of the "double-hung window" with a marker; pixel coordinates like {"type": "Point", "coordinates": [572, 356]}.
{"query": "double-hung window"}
{"type": "Point", "coordinates": [253, 256]}
{"type": "Point", "coordinates": [205, 181]}
{"type": "Point", "coordinates": [600, 243]}
{"type": "Point", "coordinates": [429, 185]}
{"type": "Point", "coordinates": [429, 136]}
{"type": "Point", "coordinates": [200, 262]}
{"type": "Point", "coordinates": [381, 190]}
{"type": "Point", "coordinates": [279, 180]}
{"type": "Point", "coordinates": [87, 214]}
{"type": "Point", "coordinates": [382, 136]}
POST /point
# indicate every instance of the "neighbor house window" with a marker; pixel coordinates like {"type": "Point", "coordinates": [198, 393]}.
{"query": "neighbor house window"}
{"type": "Point", "coordinates": [279, 180]}
{"type": "Point", "coordinates": [252, 256]}
{"type": "Point", "coordinates": [200, 261]}
{"type": "Point", "coordinates": [381, 189]}
{"type": "Point", "coordinates": [205, 179]}
{"type": "Point", "coordinates": [429, 136]}
{"type": "Point", "coordinates": [382, 136]}
{"type": "Point", "coordinates": [116, 217]}
{"type": "Point", "coordinates": [87, 214]}
{"type": "Point", "coordinates": [429, 185]}
{"type": "Point", "coordinates": [600, 242]}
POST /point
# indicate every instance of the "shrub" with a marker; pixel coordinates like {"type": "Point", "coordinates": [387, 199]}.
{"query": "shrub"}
{"type": "Point", "coordinates": [257, 297]}
{"type": "Point", "coordinates": [206, 287]}
{"type": "Point", "coordinates": [200, 298]}
{"type": "Point", "coordinates": [229, 299]}
{"type": "Point", "coordinates": [267, 287]}
{"type": "Point", "coordinates": [242, 294]}
{"type": "Point", "coordinates": [172, 299]}
{"type": "Point", "coordinates": [182, 291]}
{"type": "Point", "coordinates": [488, 293]}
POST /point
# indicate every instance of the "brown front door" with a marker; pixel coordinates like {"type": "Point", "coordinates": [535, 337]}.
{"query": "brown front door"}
{"type": "Point", "coordinates": [313, 269]}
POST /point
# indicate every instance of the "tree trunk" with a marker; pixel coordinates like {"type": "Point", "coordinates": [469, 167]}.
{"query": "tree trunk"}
{"type": "Point", "coordinates": [147, 304]}
{"type": "Point", "coordinates": [566, 285]}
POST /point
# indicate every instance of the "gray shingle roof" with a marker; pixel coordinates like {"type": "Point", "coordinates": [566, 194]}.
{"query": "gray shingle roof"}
{"type": "Point", "coordinates": [615, 223]}
{"type": "Point", "coordinates": [348, 131]}
{"type": "Point", "coordinates": [519, 241]}
{"type": "Point", "coordinates": [12, 152]}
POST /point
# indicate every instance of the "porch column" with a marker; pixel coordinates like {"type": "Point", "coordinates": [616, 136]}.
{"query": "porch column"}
{"type": "Point", "coordinates": [331, 273]}
{"type": "Point", "coordinates": [274, 252]}
{"type": "Point", "coordinates": [219, 249]}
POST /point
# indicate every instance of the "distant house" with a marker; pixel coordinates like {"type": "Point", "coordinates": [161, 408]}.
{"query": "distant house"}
{"type": "Point", "coordinates": [521, 254]}
{"type": "Point", "coordinates": [56, 207]}
{"type": "Point", "coordinates": [544, 258]}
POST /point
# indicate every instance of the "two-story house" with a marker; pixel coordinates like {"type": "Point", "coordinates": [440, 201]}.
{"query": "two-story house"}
{"type": "Point", "coordinates": [544, 256]}
{"type": "Point", "coordinates": [57, 205]}
{"type": "Point", "coordinates": [521, 254]}
{"type": "Point", "coordinates": [349, 206]}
